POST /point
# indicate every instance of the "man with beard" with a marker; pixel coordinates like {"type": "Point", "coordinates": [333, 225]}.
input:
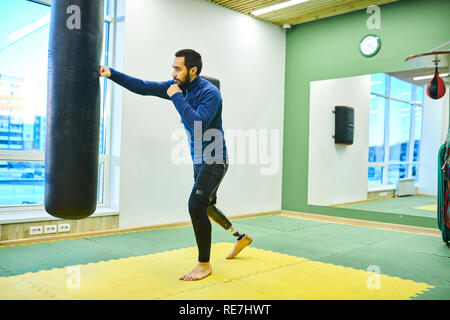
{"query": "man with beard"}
{"type": "Point", "coordinates": [199, 104]}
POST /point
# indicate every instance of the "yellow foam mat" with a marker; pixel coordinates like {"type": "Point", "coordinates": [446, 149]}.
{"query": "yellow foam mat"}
{"type": "Point", "coordinates": [431, 207]}
{"type": "Point", "coordinates": [254, 274]}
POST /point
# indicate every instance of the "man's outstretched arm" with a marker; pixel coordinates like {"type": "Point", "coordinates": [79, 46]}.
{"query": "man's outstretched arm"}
{"type": "Point", "coordinates": [147, 88]}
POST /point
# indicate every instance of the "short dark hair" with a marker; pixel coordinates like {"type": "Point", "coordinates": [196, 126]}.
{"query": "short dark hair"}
{"type": "Point", "coordinates": [191, 59]}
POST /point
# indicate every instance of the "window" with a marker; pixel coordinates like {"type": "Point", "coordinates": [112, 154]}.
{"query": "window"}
{"type": "Point", "coordinates": [399, 130]}
{"type": "Point", "coordinates": [395, 129]}
{"type": "Point", "coordinates": [376, 133]}
{"type": "Point", "coordinates": [24, 37]}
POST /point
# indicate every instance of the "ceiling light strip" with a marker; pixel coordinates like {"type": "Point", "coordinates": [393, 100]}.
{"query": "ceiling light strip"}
{"type": "Point", "coordinates": [277, 6]}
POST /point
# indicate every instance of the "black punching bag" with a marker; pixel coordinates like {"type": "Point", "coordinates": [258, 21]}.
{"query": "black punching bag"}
{"type": "Point", "coordinates": [344, 125]}
{"type": "Point", "coordinates": [73, 108]}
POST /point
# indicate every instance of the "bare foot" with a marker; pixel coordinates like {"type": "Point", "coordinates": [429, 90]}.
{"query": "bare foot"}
{"type": "Point", "coordinates": [201, 270]}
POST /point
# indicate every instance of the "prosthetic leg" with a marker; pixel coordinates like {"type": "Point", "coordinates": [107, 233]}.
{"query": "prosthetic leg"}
{"type": "Point", "coordinates": [218, 216]}
{"type": "Point", "coordinates": [243, 240]}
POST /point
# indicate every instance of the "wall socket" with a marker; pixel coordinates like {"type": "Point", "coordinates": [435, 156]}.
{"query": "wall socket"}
{"type": "Point", "coordinates": [64, 227]}
{"type": "Point", "coordinates": [50, 229]}
{"type": "Point", "coordinates": [35, 230]}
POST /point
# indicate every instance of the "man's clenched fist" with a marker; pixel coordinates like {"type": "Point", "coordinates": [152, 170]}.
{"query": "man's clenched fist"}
{"type": "Point", "coordinates": [173, 89]}
{"type": "Point", "coordinates": [104, 71]}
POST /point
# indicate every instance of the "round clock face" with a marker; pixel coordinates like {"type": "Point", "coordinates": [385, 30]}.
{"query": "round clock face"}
{"type": "Point", "coordinates": [370, 45]}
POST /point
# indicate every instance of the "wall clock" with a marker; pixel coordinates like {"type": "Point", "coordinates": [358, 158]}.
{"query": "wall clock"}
{"type": "Point", "coordinates": [370, 45]}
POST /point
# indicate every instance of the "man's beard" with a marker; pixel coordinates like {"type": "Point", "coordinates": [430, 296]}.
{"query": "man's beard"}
{"type": "Point", "coordinates": [186, 81]}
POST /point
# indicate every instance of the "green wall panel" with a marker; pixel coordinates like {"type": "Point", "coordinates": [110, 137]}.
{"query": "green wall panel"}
{"type": "Point", "coordinates": [328, 49]}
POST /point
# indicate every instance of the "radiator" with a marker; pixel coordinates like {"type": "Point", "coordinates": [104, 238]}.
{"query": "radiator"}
{"type": "Point", "coordinates": [406, 187]}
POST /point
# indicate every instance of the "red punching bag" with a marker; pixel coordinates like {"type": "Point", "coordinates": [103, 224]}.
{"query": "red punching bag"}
{"type": "Point", "coordinates": [436, 87]}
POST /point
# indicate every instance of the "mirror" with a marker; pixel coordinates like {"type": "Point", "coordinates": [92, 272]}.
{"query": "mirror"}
{"type": "Point", "coordinates": [391, 166]}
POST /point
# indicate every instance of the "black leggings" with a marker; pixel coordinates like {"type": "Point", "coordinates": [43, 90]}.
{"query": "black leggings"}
{"type": "Point", "coordinates": [207, 179]}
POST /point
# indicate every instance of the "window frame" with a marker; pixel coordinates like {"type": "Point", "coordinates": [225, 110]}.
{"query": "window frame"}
{"type": "Point", "coordinates": [104, 158]}
{"type": "Point", "coordinates": [385, 164]}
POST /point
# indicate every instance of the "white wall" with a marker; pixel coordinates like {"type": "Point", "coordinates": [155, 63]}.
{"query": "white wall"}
{"type": "Point", "coordinates": [338, 173]}
{"type": "Point", "coordinates": [247, 55]}
{"type": "Point", "coordinates": [434, 133]}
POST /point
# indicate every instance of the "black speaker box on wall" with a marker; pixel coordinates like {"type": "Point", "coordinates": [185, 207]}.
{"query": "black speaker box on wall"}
{"type": "Point", "coordinates": [344, 125]}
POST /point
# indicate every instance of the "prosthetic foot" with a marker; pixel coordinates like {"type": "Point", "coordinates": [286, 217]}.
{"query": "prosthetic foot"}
{"type": "Point", "coordinates": [239, 245]}
{"type": "Point", "coordinates": [243, 240]}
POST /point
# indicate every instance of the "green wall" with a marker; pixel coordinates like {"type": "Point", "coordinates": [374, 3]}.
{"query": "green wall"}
{"type": "Point", "coordinates": [329, 48]}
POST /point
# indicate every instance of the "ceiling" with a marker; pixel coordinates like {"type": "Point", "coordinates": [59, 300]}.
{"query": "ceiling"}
{"type": "Point", "coordinates": [315, 10]}
{"type": "Point", "coordinates": [410, 74]}
{"type": "Point", "coordinates": [300, 13]}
